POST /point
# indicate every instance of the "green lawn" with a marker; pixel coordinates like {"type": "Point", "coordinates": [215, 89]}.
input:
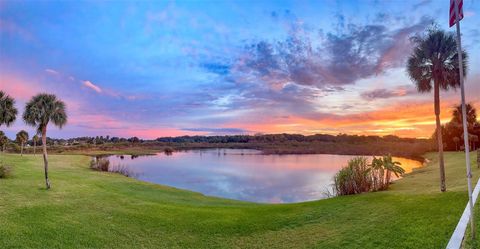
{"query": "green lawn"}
{"type": "Point", "coordinates": [89, 209]}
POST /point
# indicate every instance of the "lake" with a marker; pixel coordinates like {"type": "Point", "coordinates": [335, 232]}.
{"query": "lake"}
{"type": "Point", "coordinates": [243, 174]}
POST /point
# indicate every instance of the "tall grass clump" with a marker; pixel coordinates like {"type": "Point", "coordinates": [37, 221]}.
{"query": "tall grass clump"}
{"type": "Point", "coordinates": [103, 164]}
{"type": "Point", "coordinates": [100, 164]}
{"type": "Point", "coordinates": [354, 178]}
{"type": "Point", "coordinates": [359, 176]}
{"type": "Point", "coordinates": [5, 171]}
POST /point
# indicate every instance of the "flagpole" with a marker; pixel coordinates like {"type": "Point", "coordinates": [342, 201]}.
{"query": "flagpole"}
{"type": "Point", "coordinates": [464, 119]}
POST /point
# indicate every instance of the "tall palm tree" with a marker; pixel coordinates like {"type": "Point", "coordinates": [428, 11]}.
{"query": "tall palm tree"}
{"type": "Point", "coordinates": [22, 138]}
{"type": "Point", "coordinates": [8, 112]}
{"type": "Point", "coordinates": [35, 140]}
{"type": "Point", "coordinates": [433, 64]}
{"type": "Point", "coordinates": [39, 111]}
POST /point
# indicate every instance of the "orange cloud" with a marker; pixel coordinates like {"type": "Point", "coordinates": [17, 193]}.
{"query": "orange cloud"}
{"type": "Point", "coordinates": [407, 119]}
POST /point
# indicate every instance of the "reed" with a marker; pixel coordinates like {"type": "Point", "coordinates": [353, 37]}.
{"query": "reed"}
{"type": "Point", "coordinates": [359, 176]}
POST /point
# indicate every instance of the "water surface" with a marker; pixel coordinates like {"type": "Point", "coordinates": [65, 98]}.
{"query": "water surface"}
{"type": "Point", "coordinates": [243, 174]}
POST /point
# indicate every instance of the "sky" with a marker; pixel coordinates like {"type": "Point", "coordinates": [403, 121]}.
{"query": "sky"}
{"type": "Point", "coordinates": [169, 68]}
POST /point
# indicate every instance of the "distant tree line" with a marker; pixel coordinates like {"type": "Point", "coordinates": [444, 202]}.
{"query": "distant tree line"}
{"type": "Point", "coordinates": [269, 138]}
{"type": "Point", "coordinates": [266, 138]}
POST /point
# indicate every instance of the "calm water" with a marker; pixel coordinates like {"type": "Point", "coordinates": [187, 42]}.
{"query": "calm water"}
{"type": "Point", "coordinates": [243, 174]}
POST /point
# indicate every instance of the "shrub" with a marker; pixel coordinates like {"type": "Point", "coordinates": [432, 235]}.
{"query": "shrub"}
{"type": "Point", "coordinates": [359, 176]}
{"type": "Point", "coordinates": [100, 164]}
{"type": "Point", "coordinates": [354, 178]}
{"type": "Point", "coordinates": [5, 171]}
{"type": "Point", "coordinates": [168, 150]}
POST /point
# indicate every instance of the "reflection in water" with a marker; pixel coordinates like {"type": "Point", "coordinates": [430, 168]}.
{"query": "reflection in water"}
{"type": "Point", "coordinates": [244, 174]}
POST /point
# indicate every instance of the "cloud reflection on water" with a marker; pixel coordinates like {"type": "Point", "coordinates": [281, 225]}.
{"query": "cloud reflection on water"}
{"type": "Point", "coordinates": [244, 174]}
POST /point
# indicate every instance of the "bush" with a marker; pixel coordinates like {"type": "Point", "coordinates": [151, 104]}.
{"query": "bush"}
{"type": "Point", "coordinates": [168, 150]}
{"type": "Point", "coordinates": [5, 171]}
{"type": "Point", "coordinates": [100, 164]}
{"type": "Point", "coordinates": [354, 178]}
{"type": "Point", "coordinates": [359, 176]}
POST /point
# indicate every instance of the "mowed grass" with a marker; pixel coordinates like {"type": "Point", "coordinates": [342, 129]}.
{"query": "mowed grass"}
{"type": "Point", "coordinates": [89, 209]}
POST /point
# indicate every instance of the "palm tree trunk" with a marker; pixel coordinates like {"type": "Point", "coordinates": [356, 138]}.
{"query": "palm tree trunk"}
{"type": "Point", "coordinates": [21, 149]}
{"type": "Point", "coordinates": [439, 136]}
{"type": "Point", "coordinates": [34, 147]}
{"type": "Point", "coordinates": [387, 180]}
{"type": "Point", "coordinates": [45, 159]}
{"type": "Point", "coordinates": [381, 177]}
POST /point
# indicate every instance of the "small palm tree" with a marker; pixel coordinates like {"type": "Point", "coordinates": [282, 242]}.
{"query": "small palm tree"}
{"type": "Point", "coordinates": [22, 138]}
{"type": "Point", "coordinates": [3, 140]}
{"type": "Point", "coordinates": [39, 111]}
{"type": "Point", "coordinates": [377, 173]}
{"type": "Point", "coordinates": [434, 65]}
{"type": "Point", "coordinates": [8, 112]}
{"type": "Point", "coordinates": [35, 140]}
{"type": "Point", "coordinates": [391, 167]}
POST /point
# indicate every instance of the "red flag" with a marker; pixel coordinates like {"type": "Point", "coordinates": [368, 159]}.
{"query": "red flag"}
{"type": "Point", "coordinates": [452, 11]}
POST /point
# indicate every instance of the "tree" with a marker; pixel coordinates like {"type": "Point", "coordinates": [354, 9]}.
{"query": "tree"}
{"type": "Point", "coordinates": [35, 140]}
{"type": "Point", "coordinates": [391, 167]}
{"type": "Point", "coordinates": [474, 141]}
{"type": "Point", "coordinates": [378, 173]}
{"type": "Point", "coordinates": [22, 138]}
{"type": "Point", "coordinates": [39, 111]}
{"type": "Point", "coordinates": [8, 112]}
{"type": "Point", "coordinates": [3, 140]}
{"type": "Point", "coordinates": [433, 64]}
{"type": "Point", "coordinates": [456, 140]}
{"type": "Point", "coordinates": [457, 117]}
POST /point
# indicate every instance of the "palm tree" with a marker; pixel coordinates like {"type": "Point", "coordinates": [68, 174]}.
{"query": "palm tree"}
{"type": "Point", "coordinates": [457, 118]}
{"type": "Point", "coordinates": [22, 138]}
{"type": "Point", "coordinates": [35, 140]}
{"type": "Point", "coordinates": [3, 140]}
{"type": "Point", "coordinates": [456, 140]}
{"type": "Point", "coordinates": [8, 112]}
{"type": "Point", "coordinates": [434, 65]}
{"type": "Point", "coordinates": [377, 173]}
{"type": "Point", "coordinates": [39, 111]}
{"type": "Point", "coordinates": [391, 167]}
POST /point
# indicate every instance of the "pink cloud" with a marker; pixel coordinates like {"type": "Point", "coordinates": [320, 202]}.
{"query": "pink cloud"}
{"type": "Point", "coordinates": [152, 133]}
{"type": "Point", "coordinates": [92, 86]}
{"type": "Point", "coordinates": [18, 87]}
{"type": "Point", "coordinates": [52, 72]}
{"type": "Point", "coordinates": [105, 124]}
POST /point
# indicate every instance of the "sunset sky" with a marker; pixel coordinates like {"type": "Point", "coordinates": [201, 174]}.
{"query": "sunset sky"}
{"type": "Point", "coordinates": [152, 69]}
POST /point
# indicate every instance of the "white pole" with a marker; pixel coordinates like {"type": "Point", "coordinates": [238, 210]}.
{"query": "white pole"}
{"type": "Point", "coordinates": [464, 119]}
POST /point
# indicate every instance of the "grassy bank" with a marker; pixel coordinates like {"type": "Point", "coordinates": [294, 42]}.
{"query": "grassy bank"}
{"type": "Point", "coordinates": [89, 209]}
